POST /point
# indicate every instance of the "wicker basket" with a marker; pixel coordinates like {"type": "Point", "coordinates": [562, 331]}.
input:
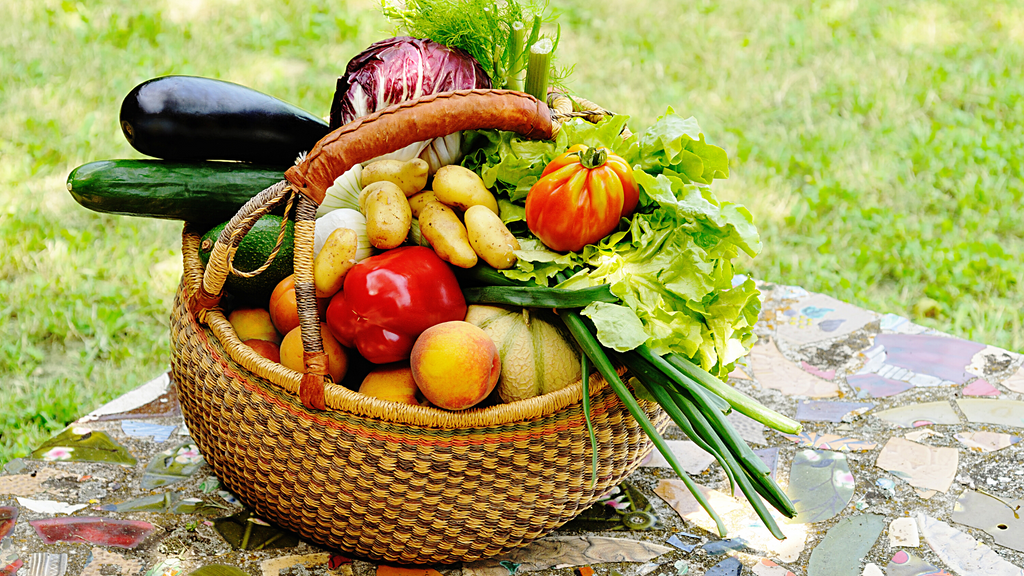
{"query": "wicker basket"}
{"type": "Point", "coordinates": [388, 482]}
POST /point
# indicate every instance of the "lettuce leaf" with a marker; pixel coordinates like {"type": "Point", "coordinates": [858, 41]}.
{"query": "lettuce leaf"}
{"type": "Point", "coordinates": [670, 263]}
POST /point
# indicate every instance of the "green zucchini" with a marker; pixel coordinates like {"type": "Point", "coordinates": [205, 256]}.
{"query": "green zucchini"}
{"type": "Point", "coordinates": [198, 192]}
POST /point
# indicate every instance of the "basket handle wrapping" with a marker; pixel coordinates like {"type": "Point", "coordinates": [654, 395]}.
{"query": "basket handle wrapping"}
{"type": "Point", "coordinates": [427, 117]}
{"type": "Point", "coordinates": [363, 139]}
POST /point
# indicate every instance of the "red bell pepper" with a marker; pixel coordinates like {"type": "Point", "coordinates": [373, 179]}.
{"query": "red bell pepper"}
{"type": "Point", "coordinates": [389, 299]}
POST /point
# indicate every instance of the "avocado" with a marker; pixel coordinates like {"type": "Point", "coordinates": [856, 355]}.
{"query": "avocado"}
{"type": "Point", "coordinates": [252, 253]}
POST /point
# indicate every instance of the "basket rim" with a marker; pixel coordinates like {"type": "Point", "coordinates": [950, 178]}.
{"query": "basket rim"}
{"type": "Point", "coordinates": [342, 399]}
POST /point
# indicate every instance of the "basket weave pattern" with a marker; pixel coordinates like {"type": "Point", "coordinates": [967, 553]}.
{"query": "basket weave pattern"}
{"type": "Point", "coordinates": [385, 481]}
{"type": "Point", "coordinates": [390, 490]}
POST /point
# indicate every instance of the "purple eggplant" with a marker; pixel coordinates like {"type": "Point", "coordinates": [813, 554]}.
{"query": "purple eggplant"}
{"type": "Point", "coordinates": [195, 118]}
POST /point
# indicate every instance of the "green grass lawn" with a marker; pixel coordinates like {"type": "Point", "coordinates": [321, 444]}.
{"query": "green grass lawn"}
{"type": "Point", "coordinates": [876, 144]}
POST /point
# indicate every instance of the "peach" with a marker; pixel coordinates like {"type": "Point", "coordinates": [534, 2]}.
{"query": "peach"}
{"type": "Point", "coordinates": [455, 364]}
{"type": "Point", "coordinates": [284, 311]}
{"type": "Point", "coordinates": [265, 348]}
{"type": "Point", "coordinates": [392, 382]}
{"type": "Point", "coordinates": [254, 323]}
{"type": "Point", "coordinates": [292, 353]}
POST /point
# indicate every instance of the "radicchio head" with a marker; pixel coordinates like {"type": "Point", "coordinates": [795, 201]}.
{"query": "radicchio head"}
{"type": "Point", "coordinates": [400, 69]}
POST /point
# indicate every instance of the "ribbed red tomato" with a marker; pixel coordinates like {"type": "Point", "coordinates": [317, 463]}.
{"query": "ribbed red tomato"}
{"type": "Point", "coordinates": [580, 197]}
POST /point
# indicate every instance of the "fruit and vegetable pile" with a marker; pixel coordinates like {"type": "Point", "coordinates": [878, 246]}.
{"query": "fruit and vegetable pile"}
{"type": "Point", "coordinates": [477, 268]}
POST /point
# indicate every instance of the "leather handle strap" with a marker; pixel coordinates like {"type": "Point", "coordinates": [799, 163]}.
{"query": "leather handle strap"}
{"type": "Point", "coordinates": [397, 126]}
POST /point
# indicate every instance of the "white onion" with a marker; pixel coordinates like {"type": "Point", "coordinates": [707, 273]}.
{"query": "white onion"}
{"type": "Point", "coordinates": [342, 218]}
{"type": "Point", "coordinates": [443, 151]}
{"type": "Point", "coordinates": [436, 153]}
{"type": "Point", "coordinates": [416, 236]}
{"type": "Point", "coordinates": [344, 193]}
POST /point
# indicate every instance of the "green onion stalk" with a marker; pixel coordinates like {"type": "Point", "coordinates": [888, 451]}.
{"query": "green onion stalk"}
{"type": "Point", "coordinates": [694, 400]}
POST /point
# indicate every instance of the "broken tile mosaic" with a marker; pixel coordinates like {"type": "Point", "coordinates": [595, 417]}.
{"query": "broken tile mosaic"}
{"type": "Point", "coordinates": [922, 414]}
{"type": "Point", "coordinates": [1016, 381]}
{"type": "Point", "coordinates": [749, 429]}
{"type": "Point", "coordinates": [820, 485]}
{"type": "Point", "coordinates": [821, 317]}
{"type": "Point", "coordinates": [8, 518]}
{"type": "Point", "coordinates": [693, 458]}
{"type": "Point", "coordinates": [839, 553]}
{"type": "Point", "coordinates": [728, 567]}
{"type": "Point", "coordinates": [823, 374]}
{"type": "Point", "coordinates": [766, 567]}
{"type": "Point", "coordinates": [991, 411]}
{"type": "Point", "coordinates": [1000, 518]}
{"type": "Point", "coordinates": [921, 359]}
{"type": "Point", "coordinates": [875, 386]}
{"type": "Point", "coordinates": [980, 387]}
{"type": "Point", "coordinates": [719, 547]}
{"type": "Point", "coordinates": [824, 441]}
{"type": "Point", "coordinates": [82, 444]}
{"type": "Point", "coordinates": [829, 411]}
{"type": "Point", "coordinates": [920, 465]}
{"type": "Point", "coordinates": [101, 531]}
{"type": "Point", "coordinates": [139, 429]}
{"type": "Point", "coordinates": [621, 508]}
{"type": "Point", "coordinates": [774, 371]}
{"type": "Point", "coordinates": [770, 457]}
{"type": "Point", "coordinates": [219, 570]}
{"type": "Point", "coordinates": [49, 506]}
{"type": "Point", "coordinates": [166, 567]}
{"type": "Point", "coordinates": [45, 564]}
{"type": "Point", "coordinates": [566, 551]}
{"type": "Point", "coordinates": [674, 540]}
{"type": "Point", "coordinates": [247, 532]}
{"type": "Point", "coordinates": [157, 398]}
{"type": "Point", "coordinates": [904, 563]}
{"type": "Point", "coordinates": [903, 532]}
{"type": "Point", "coordinates": [984, 441]}
{"type": "Point", "coordinates": [961, 552]}
{"type": "Point", "coordinates": [172, 465]}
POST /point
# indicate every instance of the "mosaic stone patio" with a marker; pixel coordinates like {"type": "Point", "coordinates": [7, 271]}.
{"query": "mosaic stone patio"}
{"type": "Point", "coordinates": [909, 465]}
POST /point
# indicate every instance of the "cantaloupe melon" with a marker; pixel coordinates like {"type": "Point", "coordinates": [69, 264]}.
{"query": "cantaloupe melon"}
{"type": "Point", "coordinates": [538, 355]}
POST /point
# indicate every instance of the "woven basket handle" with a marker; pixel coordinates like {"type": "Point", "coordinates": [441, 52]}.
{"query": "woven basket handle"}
{"type": "Point", "coordinates": [366, 138]}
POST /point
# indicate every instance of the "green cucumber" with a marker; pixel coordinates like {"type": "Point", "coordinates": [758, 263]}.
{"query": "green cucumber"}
{"type": "Point", "coordinates": [198, 192]}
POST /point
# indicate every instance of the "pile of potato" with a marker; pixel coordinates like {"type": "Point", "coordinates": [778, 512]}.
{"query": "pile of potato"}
{"type": "Point", "coordinates": [459, 219]}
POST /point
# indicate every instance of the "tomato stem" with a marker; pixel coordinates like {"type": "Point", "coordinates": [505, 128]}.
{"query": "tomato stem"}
{"type": "Point", "coordinates": [593, 158]}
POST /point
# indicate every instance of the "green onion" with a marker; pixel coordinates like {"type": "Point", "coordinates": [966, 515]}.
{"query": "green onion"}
{"type": "Point", "coordinates": [742, 479]}
{"type": "Point", "coordinates": [701, 396]}
{"type": "Point", "coordinates": [538, 297]}
{"type": "Point", "coordinates": [593, 349]}
{"type": "Point", "coordinates": [741, 402]}
{"type": "Point", "coordinates": [658, 384]}
{"type": "Point", "coordinates": [585, 372]}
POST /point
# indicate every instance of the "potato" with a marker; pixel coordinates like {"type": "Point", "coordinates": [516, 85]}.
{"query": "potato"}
{"type": "Point", "coordinates": [373, 187]}
{"type": "Point", "coordinates": [490, 238]}
{"type": "Point", "coordinates": [419, 200]}
{"type": "Point", "coordinates": [447, 236]}
{"type": "Point", "coordinates": [410, 176]}
{"type": "Point", "coordinates": [334, 261]}
{"type": "Point", "coordinates": [461, 188]}
{"type": "Point", "coordinates": [388, 216]}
